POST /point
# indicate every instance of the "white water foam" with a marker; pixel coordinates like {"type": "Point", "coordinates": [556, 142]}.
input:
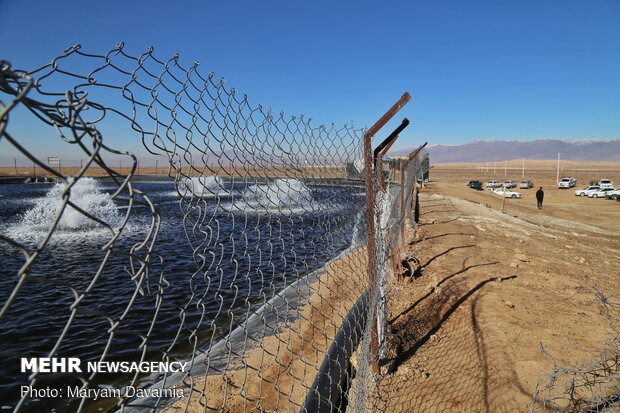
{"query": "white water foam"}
{"type": "Point", "coordinates": [282, 196]}
{"type": "Point", "coordinates": [201, 186]}
{"type": "Point", "coordinates": [87, 194]}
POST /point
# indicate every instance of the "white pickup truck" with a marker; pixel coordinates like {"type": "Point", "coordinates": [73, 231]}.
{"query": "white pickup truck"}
{"type": "Point", "coordinates": [567, 183]}
{"type": "Point", "coordinates": [605, 183]}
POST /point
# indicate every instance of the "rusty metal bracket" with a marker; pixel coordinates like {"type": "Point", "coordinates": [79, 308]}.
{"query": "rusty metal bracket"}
{"type": "Point", "coordinates": [389, 141]}
{"type": "Point", "coordinates": [382, 149]}
{"type": "Point", "coordinates": [417, 151]}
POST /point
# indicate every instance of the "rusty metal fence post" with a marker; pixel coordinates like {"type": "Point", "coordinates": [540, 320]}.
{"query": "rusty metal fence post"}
{"type": "Point", "coordinates": [370, 216]}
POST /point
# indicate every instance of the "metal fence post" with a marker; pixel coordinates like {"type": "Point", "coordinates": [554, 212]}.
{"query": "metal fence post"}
{"type": "Point", "coordinates": [370, 217]}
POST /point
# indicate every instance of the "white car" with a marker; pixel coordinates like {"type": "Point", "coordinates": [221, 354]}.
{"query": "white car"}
{"type": "Point", "coordinates": [567, 183]}
{"type": "Point", "coordinates": [493, 184]}
{"type": "Point", "coordinates": [510, 184]}
{"type": "Point", "coordinates": [600, 193]}
{"type": "Point", "coordinates": [614, 195]}
{"type": "Point", "coordinates": [525, 184]}
{"type": "Point", "coordinates": [587, 190]}
{"type": "Point", "coordinates": [507, 193]}
{"type": "Point", "coordinates": [605, 183]}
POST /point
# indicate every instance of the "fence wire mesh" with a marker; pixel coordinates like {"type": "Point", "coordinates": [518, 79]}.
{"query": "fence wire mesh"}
{"type": "Point", "coordinates": [395, 221]}
{"type": "Point", "coordinates": [244, 265]}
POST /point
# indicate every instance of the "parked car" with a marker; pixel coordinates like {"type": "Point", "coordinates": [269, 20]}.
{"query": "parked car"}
{"type": "Point", "coordinates": [615, 194]}
{"type": "Point", "coordinates": [493, 184]}
{"type": "Point", "coordinates": [605, 183]}
{"type": "Point", "coordinates": [567, 183]}
{"type": "Point", "coordinates": [475, 184]}
{"type": "Point", "coordinates": [509, 184]}
{"type": "Point", "coordinates": [525, 184]}
{"type": "Point", "coordinates": [600, 193]}
{"type": "Point", "coordinates": [507, 193]}
{"type": "Point", "coordinates": [587, 190]}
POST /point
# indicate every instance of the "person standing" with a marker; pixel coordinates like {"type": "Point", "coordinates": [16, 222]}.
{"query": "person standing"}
{"type": "Point", "coordinates": [540, 194]}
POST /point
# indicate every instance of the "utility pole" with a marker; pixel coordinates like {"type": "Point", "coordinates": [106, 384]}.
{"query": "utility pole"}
{"type": "Point", "coordinates": [493, 168]}
{"type": "Point", "coordinates": [504, 168]}
{"type": "Point", "coordinates": [15, 164]}
{"type": "Point", "coordinates": [155, 166]}
{"type": "Point", "coordinates": [523, 169]}
{"type": "Point", "coordinates": [558, 172]}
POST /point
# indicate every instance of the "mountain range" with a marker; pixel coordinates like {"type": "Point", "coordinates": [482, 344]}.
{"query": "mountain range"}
{"type": "Point", "coordinates": [488, 150]}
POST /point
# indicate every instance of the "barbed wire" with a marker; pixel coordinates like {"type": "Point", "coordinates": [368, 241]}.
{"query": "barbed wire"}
{"type": "Point", "coordinates": [593, 386]}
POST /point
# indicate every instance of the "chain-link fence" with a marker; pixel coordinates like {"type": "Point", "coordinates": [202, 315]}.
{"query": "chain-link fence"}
{"type": "Point", "coordinates": [244, 276]}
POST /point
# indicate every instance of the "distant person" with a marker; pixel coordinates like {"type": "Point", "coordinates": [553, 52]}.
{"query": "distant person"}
{"type": "Point", "coordinates": [540, 194]}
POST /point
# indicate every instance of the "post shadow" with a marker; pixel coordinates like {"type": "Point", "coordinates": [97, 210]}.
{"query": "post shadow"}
{"type": "Point", "coordinates": [412, 306]}
{"type": "Point", "coordinates": [401, 358]}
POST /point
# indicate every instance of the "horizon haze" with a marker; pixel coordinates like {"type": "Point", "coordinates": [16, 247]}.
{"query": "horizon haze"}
{"type": "Point", "coordinates": [587, 150]}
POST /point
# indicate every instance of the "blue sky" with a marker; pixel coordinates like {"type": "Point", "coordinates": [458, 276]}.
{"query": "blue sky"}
{"type": "Point", "coordinates": [476, 69]}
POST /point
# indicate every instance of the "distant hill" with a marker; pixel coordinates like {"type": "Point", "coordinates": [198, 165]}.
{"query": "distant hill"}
{"type": "Point", "coordinates": [485, 150]}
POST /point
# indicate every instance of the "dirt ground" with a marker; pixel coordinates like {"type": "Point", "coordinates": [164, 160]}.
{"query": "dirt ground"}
{"type": "Point", "coordinates": [316, 171]}
{"type": "Point", "coordinates": [493, 289]}
{"type": "Point", "coordinates": [594, 214]}
{"type": "Point", "coordinates": [466, 334]}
